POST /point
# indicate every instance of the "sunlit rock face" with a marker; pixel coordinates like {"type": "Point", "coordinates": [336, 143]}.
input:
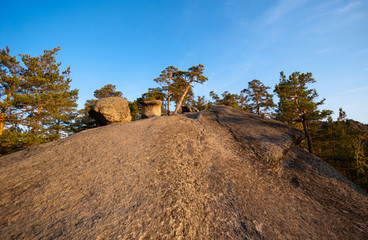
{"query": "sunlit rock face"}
{"type": "Point", "coordinates": [111, 110]}
{"type": "Point", "coordinates": [216, 174]}
{"type": "Point", "coordinates": [151, 108]}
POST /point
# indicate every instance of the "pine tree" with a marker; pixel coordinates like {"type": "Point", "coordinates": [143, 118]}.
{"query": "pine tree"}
{"type": "Point", "coordinates": [37, 104]}
{"type": "Point", "coordinates": [298, 103]}
{"type": "Point", "coordinates": [177, 88]}
{"type": "Point", "coordinates": [165, 80]}
{"type": "Point", "coordinates": [236, 101]}
{"type": "Point", "coordinates": [194, 74]}
{"type": "Point", "coordinates": [14, 96]}
{"type": "Point", "coordinates": [261, 100]}
{"type": "Point", "coordinates": [201, 103]}
{"type": "Point", "coordinates": [109, 90]}
{"type": "Point", "coordinates": [153, 94]}
{"type": "Point", "coordinates": [344, 145]}
{"type": "Point", "coordinates": [53, 102]}
{"type": "Point", "coordinates": [134, 110]}
{"type": "Point", "coordinates": [232, 100]}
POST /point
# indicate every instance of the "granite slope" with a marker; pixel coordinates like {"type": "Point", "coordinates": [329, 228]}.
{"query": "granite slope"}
{"type": "Point", "coordinates": [217, 174]}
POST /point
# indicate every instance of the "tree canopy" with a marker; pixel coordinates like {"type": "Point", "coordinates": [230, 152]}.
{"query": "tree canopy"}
{"type": "Point", "coordinates": [52, 99]}
{"type": "Point", "coordinates": [237, 101]}
{"type": "Point", "coordinates": [186, 78]}
{"type": "Point", "coordinates": [298, 103]}
{"type": "Point", "coordinates": [109, 90]}
{"type": "Point", "coordinates": [261, 101]}
{"type": "Point", "coordinates": [165, 80]}
{"type": "Point", "coordinates": [37, 104]}
{"type": "Point", "coordinates": [14, 89]}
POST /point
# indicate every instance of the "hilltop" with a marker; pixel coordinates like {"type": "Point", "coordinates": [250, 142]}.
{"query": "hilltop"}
{"type": "Point", "coordinates": [216, 174]}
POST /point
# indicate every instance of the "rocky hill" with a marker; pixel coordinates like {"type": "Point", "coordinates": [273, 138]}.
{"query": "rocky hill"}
{"type": "Point", "coordinates": [217, 174]}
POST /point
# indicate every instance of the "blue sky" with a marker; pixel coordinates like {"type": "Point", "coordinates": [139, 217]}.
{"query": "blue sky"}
{"type": "Point", "coordinates": [128, 43]}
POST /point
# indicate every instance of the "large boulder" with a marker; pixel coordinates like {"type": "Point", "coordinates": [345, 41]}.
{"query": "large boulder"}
{"type": "Point", "coordinates": [151, 108]}
{"type": "Point", "coordinates": [216, 174]}
{"type": "Point", "coordinates": [111, 110]}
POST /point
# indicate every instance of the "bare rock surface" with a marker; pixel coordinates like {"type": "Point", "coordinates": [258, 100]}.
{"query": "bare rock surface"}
{"type": "Point", "coordinates": [151, 108]}
{"type": "Point", "coordinates": [111, 110]}
{"type": "Point", "coordinates": [217, 174]}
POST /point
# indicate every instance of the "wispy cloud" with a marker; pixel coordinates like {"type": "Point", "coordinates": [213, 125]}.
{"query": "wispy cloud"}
{"type": "Point", "coordinates": [348, 7]}
{"type": "Point", "coordinates": [226, 79]}
{"type": "Point", "coordinates": [353, 90]}
{"type": "Point", "coordinates": [323, 51]}
{"type": "Point", "coordinates": [281, 9]}
{"type": "Point", "coordinates": [350, 13]}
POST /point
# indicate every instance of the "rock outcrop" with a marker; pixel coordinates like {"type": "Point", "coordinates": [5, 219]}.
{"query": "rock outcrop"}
{"type": "Point", "coordinates": [186, 109]}
{"type": "Point", "coordinates": [111, 110]}
{"type": "Point", "coordinates": [151, 108]}
{"type": "Point", "coordinates": [217, 174]}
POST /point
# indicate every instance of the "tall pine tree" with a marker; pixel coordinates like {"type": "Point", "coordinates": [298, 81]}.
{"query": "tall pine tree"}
{"type": "Point", "coordinates": [37, 104]}
{"type": "Point", "coordinates": [14, 91]}
{"type": "Point", "coordinates": [165, 80]}
{"type": "Point", "coordinates": [53, 102]}
{"type": "Point", "coordinates": [298, 103]}
{"type": "Point", "coordinates": [194, 74]}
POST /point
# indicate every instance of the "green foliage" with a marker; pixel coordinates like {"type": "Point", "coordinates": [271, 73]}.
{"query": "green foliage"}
{"type": "Point", "coordinates": [201, 104]}
{"type": "Point", "coordinates": [165, 81]}
{"type": "Point", "coordinates": [153, 94]}
{"type": "Point", "coordinates": [184, 79]}
{"type": "Point", "coordinates": [53, 102]}
{"type": "Point", "coordinates": [16, 139]}
{"type": "Point", "coordinates": [344, 145]}
{"type": "Point", "coordinates": [109, 90]}
{"type": "Point", "coordinates": [134, 110]}
{"type": "Point", "coordinates": [361, 158]}
{"type": "Point", "coordinates": [296, 100]}
{"type": "Point", "coordinates": [298, 103]}
{"type": "Point", "coordinates": [178, 87]}
{"type": "Point", "coordinates": [236, 101]}
{"type": "Point", "coordinates": [261, 100]}
{"type": "Point", "coordinates": [37, 104]}
{"type": "Point", "coordinates": [14, 90]}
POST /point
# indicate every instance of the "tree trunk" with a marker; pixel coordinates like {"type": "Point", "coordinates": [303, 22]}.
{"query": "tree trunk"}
{"type": "Point", "coordinates": [168, 103]}
{"type": "Point", "coordinates": [37, 124]}
{"type": "Point", "coordinates": [35, 128]}
{"type": "Point", "coordinates": [357, 151]}
{"type": "Point", "coordinates": [2, 122]}
{"type": "Point", "coordinates": [178, 105]}
{"type": "Point", "coordinates": [309, 139]}
{"type": "Point", "coordinates": [2, 114]}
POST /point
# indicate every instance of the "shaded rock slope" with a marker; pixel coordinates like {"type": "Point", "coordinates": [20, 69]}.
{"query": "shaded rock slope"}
{"type": "Point", "coordinates": [217, 174]}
